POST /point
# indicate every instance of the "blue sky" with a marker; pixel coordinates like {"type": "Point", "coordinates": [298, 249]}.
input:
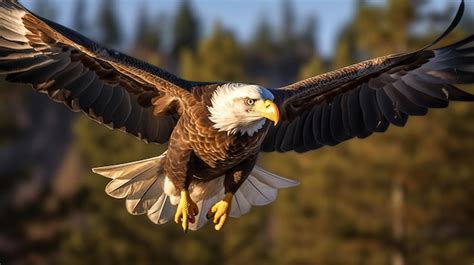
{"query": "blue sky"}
{"type": "Point", "coordinates": [241, 16]}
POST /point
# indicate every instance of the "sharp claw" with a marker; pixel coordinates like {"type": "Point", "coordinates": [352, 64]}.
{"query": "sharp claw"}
{"type": "Point", "coordinates": [220, 211]}
{"type": "Point", "coordinates": [186, 211]}
{"type": "Point", "coordinates": [209, 216]}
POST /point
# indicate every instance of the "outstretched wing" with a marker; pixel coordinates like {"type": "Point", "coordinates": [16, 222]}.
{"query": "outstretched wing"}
{"type": "Point", "coordinates": [361, 99]}
{"type": "Point", "coordinates": [114, 89]}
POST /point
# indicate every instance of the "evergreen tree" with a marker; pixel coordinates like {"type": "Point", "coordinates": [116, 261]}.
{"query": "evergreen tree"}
{"type": "Point", "coordinates": [109, 24]}
{"type": "Point", "coordinates": [315, 66]}
{"type": "Point", "coordinates": [288, 21]}
{"type": "Point", "coordinates": [148, 31]}
{"type": "Point", "coordinates": [308, 34]}
{"type": "Point", "coordinates": [217, 58]}
{"type": "Point", "coordinates": [346, 51]}
{"type": "Point", "coordinates": [148, 37]}
{"type": "Point", "coordinates": [185, 29]}
{"type": "Point", "coordinates": [263, 37]}
{"type": "Point", "coordinates": [79, 19]}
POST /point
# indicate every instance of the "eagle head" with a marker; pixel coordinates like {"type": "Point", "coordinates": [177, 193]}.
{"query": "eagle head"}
{"type": "Point", "coordinates": [240, 108]}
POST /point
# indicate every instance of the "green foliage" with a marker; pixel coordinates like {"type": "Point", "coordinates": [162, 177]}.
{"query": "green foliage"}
{"type": "Point", "coordinates": [263, 39]}
{"type": "Point", "coordinates": [148, 36]}
{"type": "Point", "coordinates": [218, 58]}
{"type": "Point", "coordinates": [314, 67]}
{"type": "Point", "coordinates": [346, 49]}
{"type": "Point", "coordinates": [186, 29]}
{"type": "Point", "coordinates": [308, 35]}
{"type": "Point", "coordinates": [148, 32]}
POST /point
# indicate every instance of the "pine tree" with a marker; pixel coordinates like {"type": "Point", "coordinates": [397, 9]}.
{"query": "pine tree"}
{"type": "Point", "coordinates": [288, 23]}
{"type": "Point", "coordinates": [263, 38]}
{"type": "Point", "coordinates": [185, 29]}
{"type": "Point", "coordinates": [148, 37]}
{"type": "Point", "coordinates": [207, 64]}
{"type": "Point", "coordinates": [109, 24]}
{"type": "Point", "coordinates": [148, 32]}
{"type": "Point", "coordinates": [308, 34]}
{"type": "Point", "coordinates": [79, 19]}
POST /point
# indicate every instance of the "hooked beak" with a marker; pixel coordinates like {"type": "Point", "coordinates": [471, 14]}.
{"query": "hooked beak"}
{"type": "Point", "coordinates": [269, 110]}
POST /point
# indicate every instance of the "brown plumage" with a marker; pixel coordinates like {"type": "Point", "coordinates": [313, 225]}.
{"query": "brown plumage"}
{"type": "Point", "coordinates": [215, 131]}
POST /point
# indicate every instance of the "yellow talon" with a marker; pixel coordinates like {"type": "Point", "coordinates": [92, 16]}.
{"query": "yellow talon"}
{"type": "Point", "coordinates": [220, 211]}
{"type": "Point", "coordinates": [186, 211]}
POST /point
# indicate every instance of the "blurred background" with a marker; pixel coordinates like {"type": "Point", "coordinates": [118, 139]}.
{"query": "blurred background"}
{"type": "Point", "coordinates": [404, 197]}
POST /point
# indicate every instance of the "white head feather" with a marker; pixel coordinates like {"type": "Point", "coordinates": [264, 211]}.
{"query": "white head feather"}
{"type": "Point", "coordinates": [229, 112]}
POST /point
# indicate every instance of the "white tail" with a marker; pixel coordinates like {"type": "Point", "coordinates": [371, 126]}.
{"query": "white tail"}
{"type": "Point", "coordinates": [146, 189]}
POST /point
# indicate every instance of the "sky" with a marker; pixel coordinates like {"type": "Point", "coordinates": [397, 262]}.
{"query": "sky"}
{"type": "Point", "coordinates": [241, 16]}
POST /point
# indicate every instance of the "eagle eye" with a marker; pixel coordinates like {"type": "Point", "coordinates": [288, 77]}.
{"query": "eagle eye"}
{"type": "Point", "coordinates": [250, 101]}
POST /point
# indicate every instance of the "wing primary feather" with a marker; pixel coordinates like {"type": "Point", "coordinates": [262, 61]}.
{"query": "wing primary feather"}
{"type": "Point", "coordinates": [280, 135]}
{"type": "Point", "coordinates": [326, 134]}
{"type": "Point", "coordinates": [433, 90]}
{"type": "Point", "coordinates": [457, 94]}
{"type": "Point", "coordinates": [355, 115]}
{"type": "Point", "coordinates": [122, 113]}
{"type": "Point", "coordinates": [389, 110]}
{"type": "Point", "coordinates": [133, 121]}
{"type": "Point", "coordinates": [90, 94]}
{"type": "Point", "coordinates": [287, 143]}
{"type": "Point", "coordinates": [403, 103]}
{"type": "Point", "coordinates": [80, 84]}
{"type": "Point", "coordinates": [336, 122]}
{"type": "Point", "coordinates": [100, 105]}
{"type": "Point", "coordinates": [345, 114]}
{"type": "Point", "coordinates": [298, 144]}
{"type": "Point", "coordinates": [450, 28]}
{"type": "Point", "coordinates": [113, 105]}
{"type": "Point", "coordinates": [309, 140]}
{"type": "Point", "coordinates": [368, 104]}
{"type": "Point", "coordinates": [419, 98]}
{"type": "Point", "coordinates": [317, 117]}
{"type": "Point", "coordinates": [22, 65]}
{"type": "Point", "coordinates": [40, 74]}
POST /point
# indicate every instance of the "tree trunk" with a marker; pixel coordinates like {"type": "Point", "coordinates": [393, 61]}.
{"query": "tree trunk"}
{"type": "Point", "coordinates": [399, 255]}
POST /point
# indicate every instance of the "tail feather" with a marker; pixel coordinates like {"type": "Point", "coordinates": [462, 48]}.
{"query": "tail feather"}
{"type": "Point", "coordinates": [162, 211]}
{"type": "Point", "coordinates": [140, 183]}
{"type": "Point", "coordinates": [143, 185]}
{"type": "Point", "coordinates": [273, 180]}
{"type": "Point", "coordinates": [128, 169]}
{"type": "Point", "coordinates": [260, 188]}
{"type": "Point", "coordinates": [120, 188]}
{"type": "Point", "coordinates": [257, 193]}
{"type": "Point", "coordinates": [144, 197]}
{"type": "Point", "coordinates": [240, 205]}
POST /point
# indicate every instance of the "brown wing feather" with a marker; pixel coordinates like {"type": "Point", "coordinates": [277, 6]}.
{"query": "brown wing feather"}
{"type": "Point", "coordinates": [109, 87]}
{"type": "Point", "coordinates": [364, 98]}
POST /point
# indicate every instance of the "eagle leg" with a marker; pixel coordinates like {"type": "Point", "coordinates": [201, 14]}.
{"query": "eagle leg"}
{"type": "Point", "coordinates": [220, 211]}
{"type": "Point", "coordinates": [186, 211]}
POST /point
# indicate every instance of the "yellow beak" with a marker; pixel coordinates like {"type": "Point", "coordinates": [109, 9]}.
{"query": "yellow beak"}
{"type": "Point", "coordinates": [269, 110]}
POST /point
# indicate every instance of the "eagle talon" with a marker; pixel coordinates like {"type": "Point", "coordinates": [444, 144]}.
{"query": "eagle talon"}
{"type": "Point", "coordinates": [220, 211]}
{"type": "Point", "coordinates": [186, 211]}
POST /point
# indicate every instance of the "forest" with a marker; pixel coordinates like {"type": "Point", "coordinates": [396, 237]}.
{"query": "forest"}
{"type": "Point", "coordinates": [403, 197]}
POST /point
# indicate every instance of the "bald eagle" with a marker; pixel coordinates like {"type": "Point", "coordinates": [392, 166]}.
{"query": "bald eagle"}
{"type": "Point", "coordinates": [215, 131]}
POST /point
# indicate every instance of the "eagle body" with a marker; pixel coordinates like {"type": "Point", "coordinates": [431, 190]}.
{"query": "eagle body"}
{"type": "Point", "coordinates": [215, 131]}
{"type": "Point", "coordinates": [198, 151]}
